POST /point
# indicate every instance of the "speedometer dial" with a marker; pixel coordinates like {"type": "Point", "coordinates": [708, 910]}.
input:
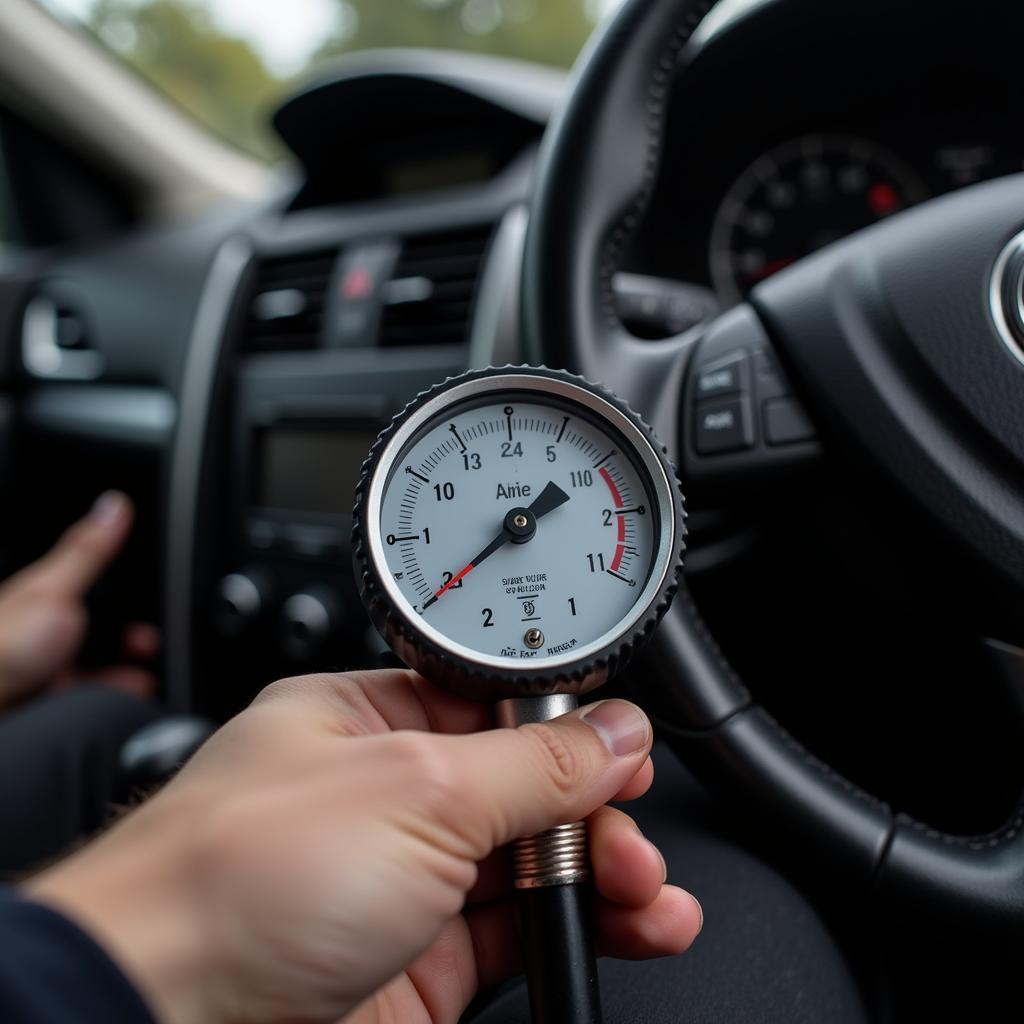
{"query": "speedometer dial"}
{"type": "Point", "coordinates": [799, 197]}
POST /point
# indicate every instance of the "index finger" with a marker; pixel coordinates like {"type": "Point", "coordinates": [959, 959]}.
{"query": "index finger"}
{"type": "Point", "coordinates": [85, 549]}
{"type": "Point", "coordinates": [383, 700]}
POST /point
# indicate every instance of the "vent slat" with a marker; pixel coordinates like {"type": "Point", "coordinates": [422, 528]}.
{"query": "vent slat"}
{"type": "Point", "coordinates": [451, 262]}
{"type": "Point", "coordinates": [286, 303]}
{"type": "Point", "coordinates": [447, 268]}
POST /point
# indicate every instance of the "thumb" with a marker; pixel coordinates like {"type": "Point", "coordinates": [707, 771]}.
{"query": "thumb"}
{"type": "Point", "coordinates": [78, 559]}
{"type": "Point", "coordinates": [515, 782]}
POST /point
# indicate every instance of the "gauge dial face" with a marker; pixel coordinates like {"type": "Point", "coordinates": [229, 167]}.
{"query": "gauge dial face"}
{"type": "Point", "coordinates": [799, 197]}
{"type": "Point", "coordinates": [519, 527]}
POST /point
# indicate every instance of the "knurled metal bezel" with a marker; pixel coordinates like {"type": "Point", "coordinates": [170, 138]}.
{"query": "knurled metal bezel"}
{"type": "Point", "coordinates": [467, 672]}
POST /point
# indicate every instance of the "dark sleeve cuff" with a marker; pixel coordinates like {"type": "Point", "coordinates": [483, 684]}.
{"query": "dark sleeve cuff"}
{"type": "Point", "coordinates": [51, 971]}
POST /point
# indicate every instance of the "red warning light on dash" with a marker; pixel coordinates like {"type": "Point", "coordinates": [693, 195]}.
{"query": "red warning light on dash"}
{"type": "Point", "coordinates": [883, 199]}
{"type": "Point", "coordinates": [357, 284]}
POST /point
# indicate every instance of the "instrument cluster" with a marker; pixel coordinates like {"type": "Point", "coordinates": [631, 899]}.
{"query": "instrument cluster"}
{"type": "Point", "coordinates": [801, 194]}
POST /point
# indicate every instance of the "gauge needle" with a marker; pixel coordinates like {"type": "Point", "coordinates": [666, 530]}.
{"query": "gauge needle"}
{"type": "Point", "coordinates": [547, 501]}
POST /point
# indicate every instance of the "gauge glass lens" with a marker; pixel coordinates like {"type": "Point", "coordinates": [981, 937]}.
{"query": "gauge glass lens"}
{"type": "Point", "coordinates": [519, 527]}
{"type": "Point", "coordinates": [799, 197]}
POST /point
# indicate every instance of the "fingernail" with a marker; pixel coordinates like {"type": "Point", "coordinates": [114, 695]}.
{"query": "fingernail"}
{"type": "Point", "coordinates": [622, 726]}
{"type": "Point", "coordinates": [109, 508]}
{"type": "Point", "coordinates": [700, 910]}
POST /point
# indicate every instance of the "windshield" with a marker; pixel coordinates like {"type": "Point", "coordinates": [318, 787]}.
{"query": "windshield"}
{"type": "Point", "coordinates": [228, 62]}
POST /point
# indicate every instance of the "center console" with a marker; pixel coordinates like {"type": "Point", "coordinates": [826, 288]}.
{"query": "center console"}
{"type": "Point", "coordinates": [276, 593]}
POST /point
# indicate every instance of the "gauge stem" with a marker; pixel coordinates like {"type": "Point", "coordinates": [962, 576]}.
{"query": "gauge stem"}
{"type": "Point", "coordinates": [552, 872]}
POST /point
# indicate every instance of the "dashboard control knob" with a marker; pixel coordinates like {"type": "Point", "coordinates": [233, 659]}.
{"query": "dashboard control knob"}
{"type": "Point", "coordinates": [242, 598]}
{"type": "Point", "coordinates": [308, 620]}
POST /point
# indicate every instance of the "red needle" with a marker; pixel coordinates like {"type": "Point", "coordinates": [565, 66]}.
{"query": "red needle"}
{"type": "Point", "coordinates": [455, 579]}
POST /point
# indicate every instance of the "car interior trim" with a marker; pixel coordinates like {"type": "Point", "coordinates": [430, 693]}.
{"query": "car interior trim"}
{"type": "Point", "coordinates": [495, 334]}
{"type": "Point", "coordinates": [1006, 296]}
{"type": "Point", "coordinates": [530, 90]}
{"type": "Point", "coordinates": [721, 18]}
{"type": "Point", "coordinates": [41, 351]}
{"type": "Point", "coordinates": [197, 389]}
{"type": "Point", "coordinates": [134, 416]}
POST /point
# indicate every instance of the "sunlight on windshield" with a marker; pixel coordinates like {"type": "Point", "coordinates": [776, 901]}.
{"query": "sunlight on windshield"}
{"type": "Point", "coordinates": [228, 62]}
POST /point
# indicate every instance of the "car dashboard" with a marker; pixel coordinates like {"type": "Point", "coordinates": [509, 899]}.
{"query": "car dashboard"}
{"type": "Point", "coordinates": [232, 371]}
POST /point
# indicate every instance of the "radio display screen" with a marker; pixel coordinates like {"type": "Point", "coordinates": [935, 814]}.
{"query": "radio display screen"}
{"type": "Point", "coordinates": [303, 469]}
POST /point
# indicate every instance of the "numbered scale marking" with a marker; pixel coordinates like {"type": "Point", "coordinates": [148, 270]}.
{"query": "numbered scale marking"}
{"type": "Point", "coordinates": [517, 522]}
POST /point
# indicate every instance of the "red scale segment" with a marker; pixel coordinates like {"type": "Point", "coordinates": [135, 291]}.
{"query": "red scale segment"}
{"type": "Point", "coordinates": [620, 549]}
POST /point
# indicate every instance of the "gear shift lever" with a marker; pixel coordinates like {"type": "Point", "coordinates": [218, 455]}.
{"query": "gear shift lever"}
{"type": "Point", "coordinates": [153, 754]}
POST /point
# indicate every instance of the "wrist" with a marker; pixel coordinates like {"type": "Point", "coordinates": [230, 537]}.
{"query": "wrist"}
{"type": "Point", "coordinates": [129, 892]}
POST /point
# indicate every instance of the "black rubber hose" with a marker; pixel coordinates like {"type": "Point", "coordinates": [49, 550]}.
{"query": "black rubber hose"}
{"type": "Point", "coordinates": [558, 951]}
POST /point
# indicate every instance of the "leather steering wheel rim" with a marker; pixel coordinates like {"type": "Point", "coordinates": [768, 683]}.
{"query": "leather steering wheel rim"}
{"type": "Point", "coordinates": [597, 170]}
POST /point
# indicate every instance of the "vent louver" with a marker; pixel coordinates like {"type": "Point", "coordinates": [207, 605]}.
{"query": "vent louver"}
{"type": "Point", "coordinates": [429, 299]}
{"type": "Point", "coordinates": [286, 306]}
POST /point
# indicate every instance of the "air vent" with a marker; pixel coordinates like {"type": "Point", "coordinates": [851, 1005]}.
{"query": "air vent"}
{"type": "Point", "coordinates": [56, 340]}
{"type": "Point", "coordinates": [429, 299]}
{"type": "Point", "coordinates": [287, 304]}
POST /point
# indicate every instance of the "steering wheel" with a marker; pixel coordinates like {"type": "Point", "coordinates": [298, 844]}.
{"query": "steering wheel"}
{"type": "Point", "coordinates": [909, 336]}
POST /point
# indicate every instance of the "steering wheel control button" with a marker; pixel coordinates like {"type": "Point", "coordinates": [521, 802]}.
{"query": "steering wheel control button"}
{"type": "Point", "coordinates": [723, 427]}
{"type": "Point", "coordinates": [724, 376]}
{"type": "Point", "coordinates": [785, 422]}
{"type": "Point", "coordinates": [769, 381]}
{"type": "Point", "coordinates": [739, 418]}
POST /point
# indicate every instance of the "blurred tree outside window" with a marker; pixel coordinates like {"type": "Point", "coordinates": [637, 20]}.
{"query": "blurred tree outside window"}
{"type": "Point", "coordinates": [229, 62]}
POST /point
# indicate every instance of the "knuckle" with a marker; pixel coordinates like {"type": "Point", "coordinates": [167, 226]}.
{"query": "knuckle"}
{"type": "Point", "coordinates": [337, 700]}
{"type": "Point", "coordinates": [429, 771]}
{"type": "Point", "coordinates": [346, 690]}
{"type": "Point", "coordinates": [294, 687]}
{"type": "Point", "coordinates": [281, 689]}
{"type": "Point", "coordinates": [562, 759]}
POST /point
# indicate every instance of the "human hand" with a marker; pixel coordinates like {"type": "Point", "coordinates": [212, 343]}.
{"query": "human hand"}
{"type": "Point", "coordinates": [43, 618]}
{"type": "Point", "coordinates": [331, 851]}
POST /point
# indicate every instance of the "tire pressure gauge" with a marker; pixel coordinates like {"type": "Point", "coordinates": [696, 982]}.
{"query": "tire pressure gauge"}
{"type": "Point", "coordinates": [518, 532]}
